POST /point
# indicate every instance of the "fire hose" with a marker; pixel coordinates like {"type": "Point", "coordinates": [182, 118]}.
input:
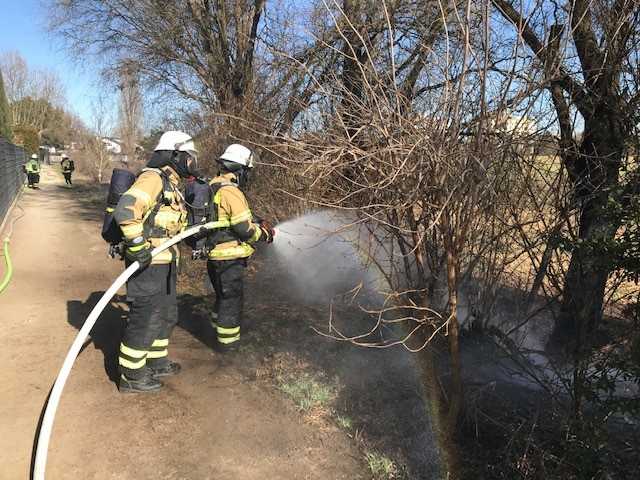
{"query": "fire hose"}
{"type": "Point", "coordinates": [8, 272]}
{"type": "Point", "coordinates": [46, 427]}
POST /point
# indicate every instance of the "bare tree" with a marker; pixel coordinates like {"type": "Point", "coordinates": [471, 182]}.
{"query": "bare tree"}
{"type": "Point", "coordinates": [585, 52]}
{"type": "Point", "coordinates": [396, 142]}
{"type": "Point", "coordinates": [203, 50]}
{"type": "Point", "coordinates": [34, 95]}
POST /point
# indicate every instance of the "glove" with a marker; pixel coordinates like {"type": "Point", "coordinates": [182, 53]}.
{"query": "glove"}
{"type": "Point", "coordinates": [267, 231]}
{"type": "Point", "coordinates": [138, 250]}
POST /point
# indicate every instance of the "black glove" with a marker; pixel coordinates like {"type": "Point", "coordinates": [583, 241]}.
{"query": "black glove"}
{"type": "Point", "coordinates": [268, 232]}
{"type": "Point", "coordinates": [138, 250]}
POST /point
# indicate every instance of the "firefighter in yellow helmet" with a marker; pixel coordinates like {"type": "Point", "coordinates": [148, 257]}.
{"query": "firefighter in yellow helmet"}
{"type": "Point", "coordinates": [150, 212]}
{"type": "Point", "coordinates": [230, 247]}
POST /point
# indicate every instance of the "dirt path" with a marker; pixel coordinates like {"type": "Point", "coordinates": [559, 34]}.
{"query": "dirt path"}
{"type": "Point", "coordinates": [209, 422]}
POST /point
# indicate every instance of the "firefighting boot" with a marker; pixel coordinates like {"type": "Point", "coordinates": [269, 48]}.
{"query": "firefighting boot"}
{"type": "Point", "coordinates": [144, 384]}
{"type": "Point", "coordinates": [164, 368]}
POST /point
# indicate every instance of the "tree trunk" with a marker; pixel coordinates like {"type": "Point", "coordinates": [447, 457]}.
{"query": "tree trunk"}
{"type": "Point", "coordinates": [585, 281]}
{"type": "Point", "coordinates": [595, 176]}
{"type": "Point", "coordinates": [437, 411]}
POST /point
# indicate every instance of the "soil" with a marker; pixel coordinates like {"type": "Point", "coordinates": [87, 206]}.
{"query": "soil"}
{"type": "Point", "coordinates": [222, 419]}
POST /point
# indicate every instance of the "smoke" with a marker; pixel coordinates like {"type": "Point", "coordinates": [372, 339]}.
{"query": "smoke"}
{"type": "Point", "coordinates": [320, 255]}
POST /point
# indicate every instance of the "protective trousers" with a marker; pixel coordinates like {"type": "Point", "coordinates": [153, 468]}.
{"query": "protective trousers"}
{"type": "Point", "coordinates": [153, 312]}
{"type": "Point", "coordinates": [67, 178]}
{"type": "Point", "coordinates": [33, 179]}
{"type": "Point", "coordinates": [227, 278]}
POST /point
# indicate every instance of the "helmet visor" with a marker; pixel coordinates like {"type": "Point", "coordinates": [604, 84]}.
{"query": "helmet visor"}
{"type": "Point", "coordinates": [192, 161]}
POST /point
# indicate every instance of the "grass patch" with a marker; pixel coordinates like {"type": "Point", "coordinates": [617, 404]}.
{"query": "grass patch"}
{"type": "Point", "coordinates": [306, 391]}
{"type": "Point", "coordinates": [344, 422]}
{"type": "Point", "coordinates": [382, 468]}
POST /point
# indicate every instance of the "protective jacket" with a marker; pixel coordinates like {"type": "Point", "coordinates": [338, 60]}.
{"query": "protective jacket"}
{"type": "Point", "coordinates": [67, 166]}
{"type": "Point", "coordinates": [32, 166]}
{"type": "Point", "coordinates": [153, 208]}
{"type": "Point", "coordinates": [230, 206]}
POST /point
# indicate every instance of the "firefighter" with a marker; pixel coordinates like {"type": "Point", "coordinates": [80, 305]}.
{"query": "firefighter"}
{"type": "Point", "coordinates": [230, 247]}
{"type": "Point", "coordinates": [68, 167]}
{"type": "Point", "coordinates": [32, 168]}
{"type": "Point", "coordinates": [150, 212]}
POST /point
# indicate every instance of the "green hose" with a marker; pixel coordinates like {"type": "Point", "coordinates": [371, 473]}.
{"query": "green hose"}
{"type": "Point", "coordinates": [9, 271]}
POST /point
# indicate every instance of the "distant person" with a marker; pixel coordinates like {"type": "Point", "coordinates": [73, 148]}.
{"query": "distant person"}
{"type": "Point", "coordinates": [32, 168]}
{"type": "Point", "coordinates": [230, 247]}
{"type": "Point", "coordinates": [68, 167]}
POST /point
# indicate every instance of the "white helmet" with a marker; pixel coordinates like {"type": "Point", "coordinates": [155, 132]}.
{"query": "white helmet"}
{"type": "Point", "coordinates": [65, 156]}
{"type": "Point", "coordinates": [239, 154]}
{"type": "Point", "coordinates": [34, 156]}
{"type": "Point", "coordinates": [177, 141]}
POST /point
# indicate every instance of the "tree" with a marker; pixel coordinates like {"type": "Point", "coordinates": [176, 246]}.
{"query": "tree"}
{"type": "Point", "coordinates": [587, 62]}
{"type": "Point", "coordinates": [226, 59]}
{"type": "Point", "coordinates": [395, 144]}
{"type": "Point", "coordinates": [204, 50]}
{"type": "Point", "coordinates": [27, 137]}
{"type": "Point", "coordinates": [5, 113]}
{"type": "Point", "coordinates": [34, 96]}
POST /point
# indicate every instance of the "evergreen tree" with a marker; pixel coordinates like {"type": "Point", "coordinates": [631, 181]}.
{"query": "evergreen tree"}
{"type": "Point", "coordinates": [5, 113]}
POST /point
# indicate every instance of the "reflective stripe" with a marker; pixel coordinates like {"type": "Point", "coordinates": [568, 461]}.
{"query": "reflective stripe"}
{"type": "Point", "coordinates": [139, 194]}
{"type": "Point", "coordinates": [218, 224]}
{"type": "Point", "coordinates": [132, 352]}
{"type": "Point", "coordinates": [158, 353]}
{"type": "Point", "coordinates": [160, 342]}
{"type": "Point", "coordinates": [241, 217]}
{"type": "Point", "coordinates": [228, 340]}
{"type": "Point", "coordinates": [228, 331]}
{"type": "Point", "coordinates": [137, 248]}
{"type": "Point", "coordinates": [240, 251]}
{"type": "Point", "coordinates": [109, 210]}
{"type": "Point", "coordinates": [256, 236]}
{"type": "Point", "coordinates": [132, 365]}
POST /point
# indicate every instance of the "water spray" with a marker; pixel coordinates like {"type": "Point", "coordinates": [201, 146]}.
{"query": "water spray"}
{"type": "Point", "coordinates": [46, 427]}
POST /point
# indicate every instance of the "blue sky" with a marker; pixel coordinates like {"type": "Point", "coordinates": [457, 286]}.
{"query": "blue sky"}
{"type": "Point", "coordinates": [23, 29]}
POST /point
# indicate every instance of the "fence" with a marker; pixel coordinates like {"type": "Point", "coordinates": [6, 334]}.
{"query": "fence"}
{"type": "Point", "coordinates": [11, 177]}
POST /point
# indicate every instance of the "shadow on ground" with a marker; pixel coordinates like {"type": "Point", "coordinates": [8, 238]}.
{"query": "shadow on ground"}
{"type": "Point", "coordinates": [106, 333]}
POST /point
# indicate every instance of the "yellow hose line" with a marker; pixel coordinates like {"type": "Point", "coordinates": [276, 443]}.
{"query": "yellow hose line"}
{"type": "Point", "coordinates": [9, 270]}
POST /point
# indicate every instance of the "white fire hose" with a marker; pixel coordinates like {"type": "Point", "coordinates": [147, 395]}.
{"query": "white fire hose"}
{"type": "Point", "coordinates": [56, 391]}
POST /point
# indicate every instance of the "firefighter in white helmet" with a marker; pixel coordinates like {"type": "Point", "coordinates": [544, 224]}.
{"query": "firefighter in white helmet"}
{"type": "Point", "coordinates": [32, 169]}
{"type": "Point", "coordinates": [230, 247]}
{"type": "Point", "coordinates": [150, 212]}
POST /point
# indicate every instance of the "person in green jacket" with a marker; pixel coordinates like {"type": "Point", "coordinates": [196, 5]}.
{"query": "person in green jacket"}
{"type": "Point", "coordinates": [32, 168]}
